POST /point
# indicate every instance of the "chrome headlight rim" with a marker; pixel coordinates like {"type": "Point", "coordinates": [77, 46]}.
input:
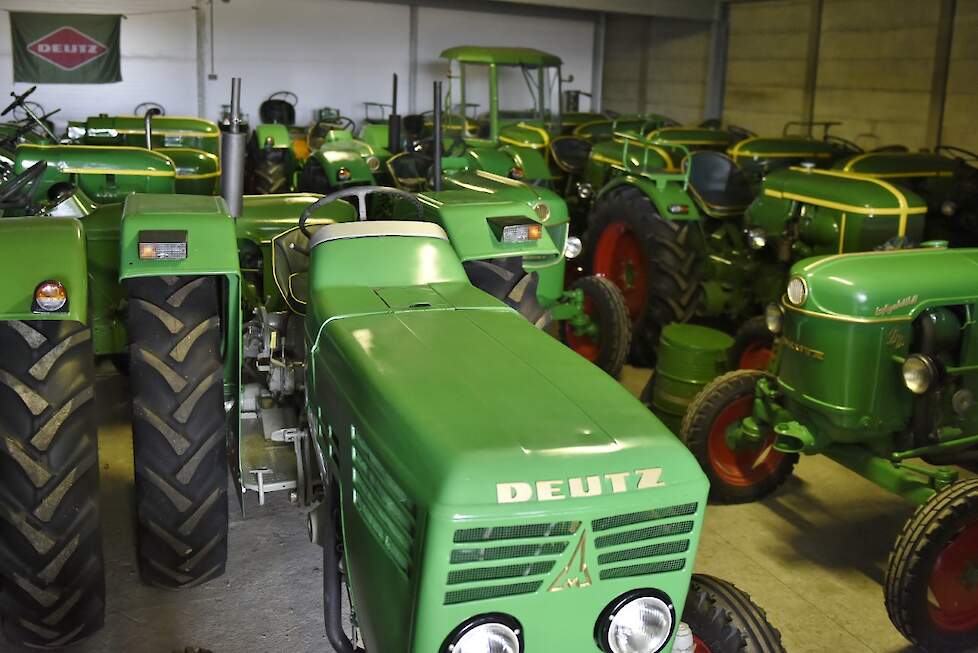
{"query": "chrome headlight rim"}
{"type": "Point", "coordinates": [919, 372]}
{"type": "Point", "coordinates": [774, 318]}
{"type": "Point", "coordinates": [373, 163]}
{"type": "Point", "coordinates": [490, 618]}
{"type": "Point", "coordinates": [602, 629]}
{"type": "Point", "coordinates": [572, 247]}
{"type": "Point", "coordinates": [797, 291]}
{"type": "Point", "coordinates": [542, 210]}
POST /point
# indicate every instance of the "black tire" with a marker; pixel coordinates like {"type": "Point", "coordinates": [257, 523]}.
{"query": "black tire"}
{"type": "Point", "coordinates": [648, 392]}
{"type": "Point", "coordinates": [606, 307]}
{"type": "Point", "coordinates": [52, 587]}
{"type": "Point", "coordinates": [673, 291]}
{"type": "Point", "coordinates": [726, 620]}
{"type": "Point", "coordinates": [733, 479]}
{"type": "Point", "coordinates": [506, 280]}
{"type": "Point", "coordinates": [179, 442]}
{"type": "Point", "coordinates": [313, 178]}
{"type": "Point", "coordinates": [271, 172]}
{"type": "Point", "coordinates": [913, 591]}
{"type": "Point", "coordinates": [751, 342]}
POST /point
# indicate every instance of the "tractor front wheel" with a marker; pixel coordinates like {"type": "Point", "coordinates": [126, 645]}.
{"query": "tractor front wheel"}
{"type": "Point", "coordinates": [931, 582]}
{"type": "Point", "coordinates": [724, 619]}
{"type": "Point", "coordinates": [51, 571]}
{"type": "Point", "coordinates": [753, 345]}
{"type": "Point", "coordinates": [606, 339]}
{"type": "Point", "coordinates": [742, 471]}
{"type": "Point", "coordinates": [652, 261]}
{"type": "Point", "coordinates": [179, 447]}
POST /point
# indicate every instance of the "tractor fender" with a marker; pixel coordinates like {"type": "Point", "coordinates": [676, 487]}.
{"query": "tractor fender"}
{"type": "Point", "coordinates": [663, 194]}
{"type": "Point", "coordinates": [491, 159]}
{"type": "Point", "coordinates": [332, 160]}
{"type": "Point", "coordinates": [279, 135]}
{"type": "Point", "coordinates": [532, 161]}
{"type": "Point", "coordinates": [38, 249]}
{"type": "Point", "coordinates": [204, 223]}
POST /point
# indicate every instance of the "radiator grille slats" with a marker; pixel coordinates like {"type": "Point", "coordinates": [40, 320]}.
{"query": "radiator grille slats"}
{"type": "Point", "coordinates": [651, 548]}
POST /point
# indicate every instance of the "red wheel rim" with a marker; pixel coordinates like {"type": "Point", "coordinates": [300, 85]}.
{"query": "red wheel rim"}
{"type": "Point", "coordinates": [700, 646]}
{"type": "Point", "coordinates": [755, 357]}
{"type": "Point", "coordinates": [748, 466]}
{"type": "Point", "coordinates": [953, 588]}
{"type": "Point", "coordinates": [586, 345]}
{"type": "Point", "coordinates": [618, 256]}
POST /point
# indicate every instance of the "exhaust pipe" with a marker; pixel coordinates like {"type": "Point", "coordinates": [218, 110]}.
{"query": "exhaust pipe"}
{"type": "Point", "coordinates": [394, 123]}
{"type": "Point", "coordinates": [148, 125]}
{"type": "Point", "coordinates": [436, 165]}
{"type": "Point", "coordinates": [233, 144]}
{"type": "Point", "coordinates": [332, 582]}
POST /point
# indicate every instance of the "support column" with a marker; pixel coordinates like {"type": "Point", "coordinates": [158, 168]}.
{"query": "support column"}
{"type": "Point", "coordinates": [643, 67]}
{"type": "Point", "coordinates": [942, 65]}
{"type": "Point", "coordinates": [413, 60]}
{"type": "Point", "coordinates": [200, 17]}
{"type": "Point", "coordinates": [597, 62]}
{"type": "Point", "coordinates": [716, 76]}
{"type": "Point", "coordinates": [811, 60]}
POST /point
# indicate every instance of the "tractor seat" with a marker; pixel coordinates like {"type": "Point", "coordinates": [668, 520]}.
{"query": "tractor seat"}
{"type": "Point", "coordinates": [413, 127]}
{"type": "Point", "coordinates": [410, 170]}
{"type": "Point", "coordinates": [718, 185]}
{"type": "Point", "coordinates": [277, 112]}
{"type": "Point", "coordinates": [290, 267]}
{"type": "Point", "coordinates": [571, 153]}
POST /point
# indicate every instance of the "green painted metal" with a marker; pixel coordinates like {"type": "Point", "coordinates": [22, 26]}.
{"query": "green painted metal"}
{"type": "Point", "coordinates": [168, 131]}
{"type": "Point", "coordinates": [502, 56]}
{"type": "Point", "coordinates": [274, 134]}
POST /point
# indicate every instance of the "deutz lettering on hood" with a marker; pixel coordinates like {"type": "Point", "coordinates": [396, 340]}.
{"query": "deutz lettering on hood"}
{"type": "Point", "coordinates": [579, 487]}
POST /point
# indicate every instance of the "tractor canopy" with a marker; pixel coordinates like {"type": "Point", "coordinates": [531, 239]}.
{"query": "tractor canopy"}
{"type": "Point", "coordinates": [168, 131]}
{"type": "Point", "coordinates": [501, 56]}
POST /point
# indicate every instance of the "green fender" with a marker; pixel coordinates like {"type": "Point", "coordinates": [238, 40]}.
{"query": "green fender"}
{"type": "Point", "coordinates": [36, 249]}
{"type": "Point", "coordinates": [168, 131]}
{"type": "Point", "coordinates": [533, 162]}
{"type": "Point", "coordinates": [663, 193]}
{"type": "Point", "coordinates": [279, 135]}
{"type": "Point", "coordinates": [376, 136]}
{"type": "Point", "coordinates": [350, 158]}
{"type": "Point", "coordinates": [491, 159]}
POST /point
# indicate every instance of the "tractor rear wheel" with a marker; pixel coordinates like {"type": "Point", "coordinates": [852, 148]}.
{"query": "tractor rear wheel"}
{"type": "Point", "coordinates": [607, 346]}
{"type": "Point", "coordinates": [741, 474]}
{"type": "Point", "coordinates": [753, 345]}
{"type": "Point", "coordinates": [51, 571]}
{"type": "Point", "coordinates": [271, 172]}
{"type": "Point", "coordinates": [724, 619]}
{"type": "Point", "coordinates": [179, 447]}
{"type": "Point", "coordinates": [652, 261]}
{"type": "Point", "coordinates": [931, 584]}
{"type": "Point", "coordinates": [506, 280]}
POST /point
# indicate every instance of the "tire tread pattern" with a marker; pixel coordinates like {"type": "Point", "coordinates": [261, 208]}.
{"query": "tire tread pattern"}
{"type": "Point", "coordinates": [727, 620]}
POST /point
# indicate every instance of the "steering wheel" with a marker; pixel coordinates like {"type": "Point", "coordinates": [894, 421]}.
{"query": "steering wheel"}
{"type": "Point", "coordinates": [18, 100]}
{"type": "Point", "coordinates": [844, 142]}
{"type": "Point", "coordinates": [285, 95]}
{"type": "Point", "coordinates": [361, 193]}
{"type": "Point", "coordinates": [12, 191]}
{"type": "Point", "coordinates": [956, 152]}
{"type": "Point", "coordinates": [20, 115]}
{"type": "Point", "coordinates": [142, 108]}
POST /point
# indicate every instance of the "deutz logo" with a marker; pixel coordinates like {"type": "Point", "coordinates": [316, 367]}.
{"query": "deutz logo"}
{"type": "Point", "coordinates": [579, 487]}
{"type": "Point", "coordinates": [575, 575]}
{"type": "Point", "coordinates": [67, 48]}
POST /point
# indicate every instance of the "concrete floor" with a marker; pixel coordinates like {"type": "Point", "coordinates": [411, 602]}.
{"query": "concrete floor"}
{"type": "Point", "coordinates": [811, 558]}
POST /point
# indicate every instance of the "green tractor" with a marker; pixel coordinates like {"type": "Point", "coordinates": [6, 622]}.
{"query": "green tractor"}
{"type": "Point", "coordinates": [540, 507]}
{"type": "Point", "coordinates": [29, 124]}
{"type": "Point", "coordinates": [874, 368]}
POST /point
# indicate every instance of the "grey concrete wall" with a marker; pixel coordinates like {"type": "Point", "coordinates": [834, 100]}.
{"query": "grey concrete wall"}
{"type": "Point", "coordinates": [876, 62]}
{"type": "Point", "coordinates": [962, 87]}
{"type": "Point", "coordinates": [624, 36]}
{"type": "Point", "coordinates": [766, 64]}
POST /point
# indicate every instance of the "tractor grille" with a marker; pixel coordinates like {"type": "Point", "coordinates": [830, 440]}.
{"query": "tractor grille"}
{"type": "Point", "coordinates": [526, 563]}
{"type": "Point", "coordinates": [639, 540]}
{"type": "Point", "coordinates": [385, 508]}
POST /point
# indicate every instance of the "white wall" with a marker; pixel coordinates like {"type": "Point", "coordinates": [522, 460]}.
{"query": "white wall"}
{"type": "Point", "coordinates": [159, 60]}
{"type": "Point", "coordinates": [336, 53]}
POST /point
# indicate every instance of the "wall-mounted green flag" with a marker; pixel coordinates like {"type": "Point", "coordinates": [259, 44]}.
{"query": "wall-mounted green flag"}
{"type": "Point", "coordinates": [65, 48]}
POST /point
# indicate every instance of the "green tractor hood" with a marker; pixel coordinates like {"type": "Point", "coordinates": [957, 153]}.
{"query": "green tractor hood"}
{"type": "Point", "coordinates": [900, 165]}
{"type": "Point", "coordinates": [168, 131]}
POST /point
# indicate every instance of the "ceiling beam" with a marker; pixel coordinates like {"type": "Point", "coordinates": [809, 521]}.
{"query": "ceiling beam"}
{"type": "Point", "coordinates": [690, 9]}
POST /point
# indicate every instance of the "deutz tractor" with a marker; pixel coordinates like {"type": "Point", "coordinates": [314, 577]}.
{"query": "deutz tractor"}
{"type": "Point", "coordinates": [874, 368]}
{"type": "Point", "coordinates": [565, 518]}
{"type": "Point", "coordinates": [685, 238]}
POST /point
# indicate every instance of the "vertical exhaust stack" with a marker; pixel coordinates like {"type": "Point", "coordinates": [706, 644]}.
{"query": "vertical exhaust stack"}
{"type": "Point", "coordinates": [233, 144]}
{"type": "Point", "coordinates": [436, 166]}
{"type": "Point", "coordinates": [394, 123]}
{"type": "Point", "coordinates": [148, 125]}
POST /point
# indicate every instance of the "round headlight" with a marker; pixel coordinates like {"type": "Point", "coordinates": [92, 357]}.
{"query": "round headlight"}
{"type": "Point", "coordinates": [797, 291]}
{"type": "Point", "coordinates": [774, 316]}
{"type": "Point", "coordinates": [373, 163]}
{"type": "Point", "coordinates": [343, 174]}
{"type": "Point", "coordinates": [572, 247]}
{"type": "Point", "coordinates": [756, 238]}
{"type": "Point", "coordinates": [50, 296]}
{"type": "Point", "coordinates": [919, 372]}
{"type": "Point", "coordinates": [637, 622]}
{"type": "Point", "coordinates": [542, 209]}
{"type": "Point", "coordinates": [493, 633]}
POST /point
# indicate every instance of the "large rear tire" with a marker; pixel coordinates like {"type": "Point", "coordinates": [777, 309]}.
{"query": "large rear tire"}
{"type": "Point", "coordinates": [724, 619]}
{"type": "Point", "coordinates": [736, 475]}
{"type": "Point", "coordinates": [608, 346]}
{"type": "Point", "coordinates": [179, 442]}
{"type": "Point", "coordinates": [650, 259]}
{"type": "Point", "coordinates": [930, 583]}
{"type": "Point", "coordinates": [51, 571]}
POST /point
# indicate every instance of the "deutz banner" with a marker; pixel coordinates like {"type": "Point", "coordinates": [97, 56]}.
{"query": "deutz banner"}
{"type": "Point", "coordinates": [65, 48]}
